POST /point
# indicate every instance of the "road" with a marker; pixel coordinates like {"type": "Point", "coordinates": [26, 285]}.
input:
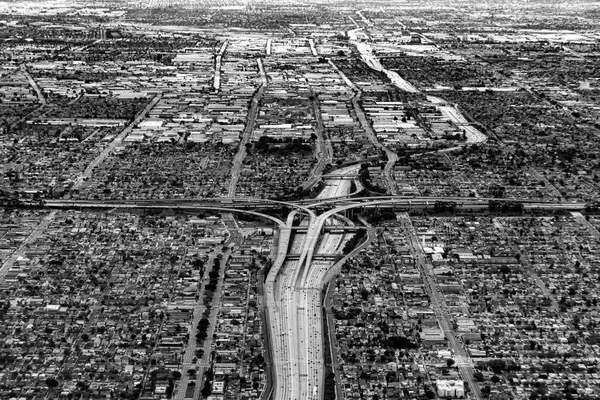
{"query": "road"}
{"type": "Point", "coordinates": [250, 123]}
{"type": "Point", "coordinates": [341, 203]}
{"type": "Point", "coordinates": [338, 187]}
{"type": "Point", "coordinates": [392, 157]}
{"type": "Point", "coordinates": [34, 85]}
{"type": "Point", "coordinates": [323, 149]}
{"type": "Point", "coordinates": [33, 236]}
{"type": "Point", "coordinates": [293, 292]}
{"type": "Point", "coordinates": [462, 358]}
{"type": "Point", "coordinates": [313, 49]}
{"type": "Point", "coordinates": [591, 228]}
{"type": "Point", "coordinates": [204, 362]}
{"type": "Point", "coordinates": [547, 183]}
{"type": "Point", "coordinates": [454, 115]}
{"type": "Point", "coordinates": [528, 269]}
{"type": "Point", "coordinates": [116, 142]}
{"type": "Point", "coordinates": [327, 303]}
{"type": "Point", "coordinates": [365, 20]}
{"type": "Point", "coordinates": [190, 349]}
{"type": "Point", "coordinates": [219, 59]}
{"type": "Point", "coordinates": [449, 111]}
{"type": "Point", "coordinates": [367, 55]}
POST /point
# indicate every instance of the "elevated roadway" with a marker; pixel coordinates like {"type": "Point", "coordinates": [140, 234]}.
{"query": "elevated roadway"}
{"type": "Point", "coordinates": [308, 206]}
{"type": "Point", "coordinates": [294, 294]}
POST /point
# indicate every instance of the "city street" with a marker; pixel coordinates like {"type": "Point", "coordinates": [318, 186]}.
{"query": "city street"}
{"type": "Point", "coordinates": [242, 200]}
{"type": "Point", "coordinates": [462, 359]}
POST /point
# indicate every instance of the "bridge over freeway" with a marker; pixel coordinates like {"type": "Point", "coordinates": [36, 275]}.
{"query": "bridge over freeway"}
{"type": "Point", "coordinates": [338, 177]}
{"type": "Point", "coordinates": [325, 257]}
{"type": "Point", "coordinates": [331, 229]}
{"type": "Point", "coordinates": [344, 206]}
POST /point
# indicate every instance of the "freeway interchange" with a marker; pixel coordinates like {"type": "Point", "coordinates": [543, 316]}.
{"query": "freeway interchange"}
{"type": "Point", "coordinates": [293, 294]}
{"type": "Point", "coordinates": [311, 240]}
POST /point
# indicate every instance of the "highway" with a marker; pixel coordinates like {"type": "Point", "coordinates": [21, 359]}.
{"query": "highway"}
{"type": "Point", "coordinates": [368, 128]}
{"type": "Point", "coordinates": [449, 111]}
{"type": "Point", "coordinates": [391, 156]}
{"type": "Point", "coordinates": [342, 202]}
{"type": "Point", "coordinates": [338, 187]}
{"type": "Point", "coordinates": [452, 113]}
{"type": "Point", "coordinates": [294, 285]}
{"type": "Point", "coordinates": [293, 292]}
{"type": "Point", "coordinates": [327, 303]}
{"type": "Point", "coordinates": [294, 298]}
{"type": "Point", "coordinates": [366, 53]}
{"type": "Point", "coordinates": [473, 135]}
{"type": "Point", "coordinates": [313, 49]}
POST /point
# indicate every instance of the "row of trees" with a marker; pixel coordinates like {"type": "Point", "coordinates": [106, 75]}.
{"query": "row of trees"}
{"type": "Point", "coordinates": [506, 206]}
{"type": "Point", "coordinates": [353, 242]}
{"type": "Point", "coordinates": [281, 146]}
{"type": "Point", "coordinates": [210, 287]}
{"type": "Point", "coordinates": [365, 179]}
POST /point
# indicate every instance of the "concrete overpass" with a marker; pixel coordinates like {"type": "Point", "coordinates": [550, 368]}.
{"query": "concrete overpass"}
{"type": "Point", "coordinates": [338, 177]}
{"type": "Point", "coordinates": [330, 229]}
{"type": "Point", "coordinates": [243, 204]}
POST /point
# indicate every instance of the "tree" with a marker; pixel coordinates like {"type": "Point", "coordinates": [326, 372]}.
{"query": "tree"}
{"type": "Point", "coordinates": [82, 385]}
{"type": "Point", "coordinates": [495, 379]}
{"type": "Point", "coordinates": [497, 365]}
{"type": "Point", "coordinates": [51, 383]}
{"type": "Point", "coordinates": [176, 375]}
{"type": "Point", "coordinates": [399, 342]}
{"type": "Point", "coordinates": [207, 389]}
{"type": "Point", "coordinates": [485, 391]}
{"type": "Point", "coordinates": [449, 362]}
{"type": "Point", "coordinates": [478, 376]}
{"type": "Point", "coordinates": [364, 294]}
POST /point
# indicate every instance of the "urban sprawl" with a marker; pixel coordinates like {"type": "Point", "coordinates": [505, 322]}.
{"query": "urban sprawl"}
{"type": "Point", "coordinates": [278, 200]}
